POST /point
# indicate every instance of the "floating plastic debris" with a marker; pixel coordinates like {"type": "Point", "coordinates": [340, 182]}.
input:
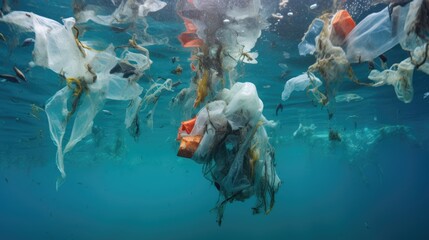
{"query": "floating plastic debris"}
{"type": "Point", "coordinates": [283, 4]}
{"type": "Point", "coordinates": [277, 15]}
{"type": "Point", "coordinates": [375, 35]}
{"type": "Point", "coordinates": [240, 165]}
{"type": "Point", "coordinates": [308, 41]}
{"type": "Point", "coordinates": [107, 112]}
{"type": "Point", "coordinates": [349, 97]}
{"type": "Point", "coordinates": [400, 76]}
{"type": "Point", "coordinates": [284, 66]}
{"type": "Point", "coordinates": [300, 83]}
{"type": "Point", "coordinates": [286, 55]}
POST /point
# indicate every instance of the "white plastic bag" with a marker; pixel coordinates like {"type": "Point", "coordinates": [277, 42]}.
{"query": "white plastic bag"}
{"type": "Point", "coordinates": [300, 83]}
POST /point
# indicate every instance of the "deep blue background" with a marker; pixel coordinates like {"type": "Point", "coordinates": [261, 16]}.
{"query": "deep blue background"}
{"type": "Point", "coordinates": [143, 191]}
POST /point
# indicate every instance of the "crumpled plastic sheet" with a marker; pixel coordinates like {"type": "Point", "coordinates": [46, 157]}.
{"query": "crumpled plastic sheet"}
{"type": "Point", "coordinates": [376, 34]}
{"type": "Point", "coordinates": [400, 76]}
{"type": "Point", "coordinates": [235, 25]}
{"type": "Point", "coordinates": [124, 13]}
{"type": "Point", "coordinates": [412, 40]}
{"type": "Point", "coordinates": [49, 51]}
{"type": "Point", "coordinates": [300, 83]}
{"type": "Point", "coordinates": [420, 57]}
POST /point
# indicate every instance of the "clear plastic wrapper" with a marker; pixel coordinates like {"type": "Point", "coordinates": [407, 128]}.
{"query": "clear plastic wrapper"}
{"type": "Point", "coordinates": [308, 42]}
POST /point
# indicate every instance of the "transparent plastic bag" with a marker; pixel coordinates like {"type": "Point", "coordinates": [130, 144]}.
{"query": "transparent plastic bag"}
{"type": "Point", "coordinates": [375, 34]}
{"type": "Point", "coordinates": [416, 26]}
{"type": "Point", "coordinates": [308, 41]}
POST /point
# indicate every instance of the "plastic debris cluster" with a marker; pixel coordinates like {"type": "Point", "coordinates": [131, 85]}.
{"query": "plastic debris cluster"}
{"type": "Point", "coordinates": [223, 34]}
{"type": "Point", "coordinates": [92, 77]}
{"type": "Point", "coordinates": [337, 42]}
{"type": "Point", "coordinates": [228, 137]}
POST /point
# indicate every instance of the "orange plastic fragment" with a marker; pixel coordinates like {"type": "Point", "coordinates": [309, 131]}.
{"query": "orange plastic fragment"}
{"type": "Point", "coordinates": [190, 26]}
{"type": "Point", "coordinates": [186, 127]}
{"type": "Point", "coordinates": [188, 146]}
{"type": "Point", "coordinates": [343, 23]}
{"type": "Point", "coordinates": [188, 40]}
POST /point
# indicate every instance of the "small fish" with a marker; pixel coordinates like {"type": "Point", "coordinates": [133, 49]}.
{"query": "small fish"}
{"type": "Point", "coordinates": [19, 74]}
{"type": "Point", "coordinates": [226, 21]}
{"type": "Point", "coordinates": [27, 42]}
{"type": "Point", "coordinates": [175, 84]}
{"type": "Point", "coordinates": [2, 37]}
{"type": "Point", "coordinates": [175, 59]}
{"type": "Point", "coordinates": [290, 14]}
{"type": "Point", "coordinates": [9, 78]}
{"type": "Point", "coordinates": [425, 95]}
{"type": "Point", "coordinates": [107, 112]}
{"type": "Point", "coordinates": [279, 107]}
{"type": "Point", "coordinates": [313, 6]}
{"type": "Point", "coordinates": [178, 70]}
{"type": "Point", "coordinates": [6, 180]}
{"type": "Point", "coordinates": [266, 86]}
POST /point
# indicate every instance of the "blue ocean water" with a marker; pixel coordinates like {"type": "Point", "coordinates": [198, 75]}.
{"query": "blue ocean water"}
{"type": "Point", "coordinates": [120, 188]}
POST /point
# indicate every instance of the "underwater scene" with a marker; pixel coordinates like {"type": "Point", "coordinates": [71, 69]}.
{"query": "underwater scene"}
{"type": "Point", "coordinates": [214, 119]}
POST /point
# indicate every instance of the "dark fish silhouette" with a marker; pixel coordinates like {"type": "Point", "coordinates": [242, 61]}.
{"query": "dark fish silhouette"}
{"type": "Point", "coordinates": [178, 70]}
{"type": "Point", "coordinates": [9, 78]}
{"type": "Point", "coordinates": [279, 107]}
{"type": "Point", "coordinates": [19, 74]}
{"type": "Point", "coordinates": [174, 59]}
{"type": "Point", "coordinates": [175, 84]}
